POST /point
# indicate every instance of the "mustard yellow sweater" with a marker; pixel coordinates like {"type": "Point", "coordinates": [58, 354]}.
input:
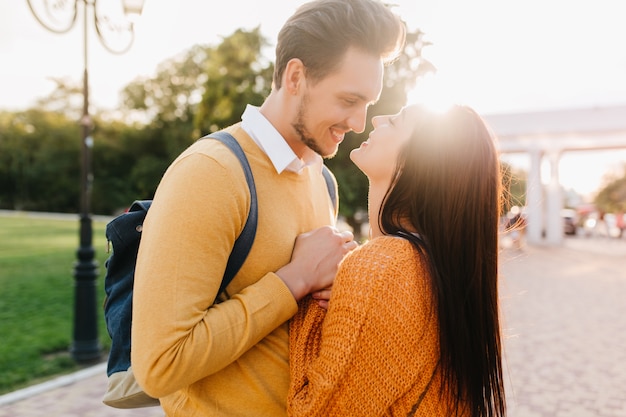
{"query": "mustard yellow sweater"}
{"type": "Point", "coordinates": [230, 359]}
{"type": "Point", "coordinates": [376, 350]}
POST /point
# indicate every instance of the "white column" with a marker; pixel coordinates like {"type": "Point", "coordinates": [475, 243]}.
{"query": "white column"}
{"type": "Point", "coordinates": [534, 204]}
{"type": "Point", "coordinates": [554, 223]}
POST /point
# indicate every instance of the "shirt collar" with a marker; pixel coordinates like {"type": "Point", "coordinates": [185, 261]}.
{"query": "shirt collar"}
{"type": "Point", "coordinates": [273, 144]}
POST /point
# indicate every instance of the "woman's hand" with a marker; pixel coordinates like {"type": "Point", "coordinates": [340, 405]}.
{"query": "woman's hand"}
{"type": "Point", "coordinates": [322, 297]}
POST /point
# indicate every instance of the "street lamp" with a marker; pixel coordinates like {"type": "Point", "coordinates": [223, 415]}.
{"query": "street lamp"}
{"type": "Point", "coordinates": [116, 35]}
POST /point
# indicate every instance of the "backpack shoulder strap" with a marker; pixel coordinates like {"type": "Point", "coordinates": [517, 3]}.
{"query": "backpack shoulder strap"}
{"type": "Point", "coordinates": [243, 244]}
{"type": "Point", "coordinates": [330, 184]}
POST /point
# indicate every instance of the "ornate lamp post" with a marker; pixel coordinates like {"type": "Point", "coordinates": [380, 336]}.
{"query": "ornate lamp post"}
{"type": "Point", "coordinates": [116, 35]}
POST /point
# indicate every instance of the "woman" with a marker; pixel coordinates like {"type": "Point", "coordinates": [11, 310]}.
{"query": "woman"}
{"type": "Point", "coordinates": [412, 327]}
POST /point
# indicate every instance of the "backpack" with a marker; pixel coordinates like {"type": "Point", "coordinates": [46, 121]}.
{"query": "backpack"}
{"type": "Point", "coordinates": [124, 233]}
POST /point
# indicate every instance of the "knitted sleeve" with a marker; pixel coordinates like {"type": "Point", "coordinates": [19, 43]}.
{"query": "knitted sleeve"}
{"type": "Point", "coordinates": [375, 343]}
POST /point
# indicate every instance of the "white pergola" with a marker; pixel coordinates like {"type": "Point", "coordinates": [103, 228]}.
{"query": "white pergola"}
{"type": "Point", "coordinates": [548, 134]}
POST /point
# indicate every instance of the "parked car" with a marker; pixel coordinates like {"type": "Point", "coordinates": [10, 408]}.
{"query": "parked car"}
{"type": "Point", "coordinates": [570, 221]}
{"type": "Point", "coordinates": [604, 224]}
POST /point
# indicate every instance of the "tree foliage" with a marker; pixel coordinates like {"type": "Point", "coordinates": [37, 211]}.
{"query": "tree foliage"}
{"type": "Point", "coordinates": [237, 75]}
{"type": "Point", "coordinates": [40, 149]}
{"type": "Point", "coordinates": [66, 99]}
{"type": "Point", "coordinates": [201, 90]}
{"type": "Point", "coordinates": [171, 96]}
{"type": "Point", "coordinates": [612, 197]}
{"type": "Point", "coordinates": [39, 165]}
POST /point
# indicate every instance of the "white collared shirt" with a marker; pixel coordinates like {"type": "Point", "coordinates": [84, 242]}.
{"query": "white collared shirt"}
{"type": "Point", "coordinates": [273, 144]}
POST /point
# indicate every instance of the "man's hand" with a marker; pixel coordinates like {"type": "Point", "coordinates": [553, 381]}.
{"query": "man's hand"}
{"type": "Point", "coordinates": [314, 261]}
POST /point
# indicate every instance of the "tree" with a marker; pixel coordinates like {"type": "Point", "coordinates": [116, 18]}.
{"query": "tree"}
{"type": "Point", "coordinates": [66, 99]}
{"type": "Point", "coordinates": [39, 161]}
{"type": "Point", "coordinates": [119, 150]}
{"type": "Point", "coordinates": [198, 91]}
{"type": "Point", "coordinates": [159, 118]}
{"type": "Point", "coordinates": [172, 95]}
{"type": "Point", "coordinates": [206, 87]}
{"type": "Point", "coordinates": [612, 197]}
{"type": "Point", "coordinates": [237, 75]}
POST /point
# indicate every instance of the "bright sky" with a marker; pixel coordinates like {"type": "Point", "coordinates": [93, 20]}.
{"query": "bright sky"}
{"type": "Point", "coordinates": [498, 56]}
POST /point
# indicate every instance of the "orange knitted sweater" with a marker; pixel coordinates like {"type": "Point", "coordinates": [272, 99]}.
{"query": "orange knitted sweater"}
{"type": "Point", "coordinates": [375, 352]}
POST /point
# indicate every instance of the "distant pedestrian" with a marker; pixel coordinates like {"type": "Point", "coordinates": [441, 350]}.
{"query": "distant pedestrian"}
{"type": "Point", "coordinates": [515, 227]}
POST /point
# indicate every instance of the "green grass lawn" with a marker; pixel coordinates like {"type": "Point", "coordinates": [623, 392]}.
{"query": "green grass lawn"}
{"type": "Point", "coordinates": [37, 258]}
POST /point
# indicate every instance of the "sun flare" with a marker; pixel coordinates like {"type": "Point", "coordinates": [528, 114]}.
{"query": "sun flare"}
{"type": "Point", "coordinates": [433, 93]}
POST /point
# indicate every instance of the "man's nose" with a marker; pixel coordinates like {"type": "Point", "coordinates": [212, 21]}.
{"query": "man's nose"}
{"type": "Point", "coordinates": [357, 120]}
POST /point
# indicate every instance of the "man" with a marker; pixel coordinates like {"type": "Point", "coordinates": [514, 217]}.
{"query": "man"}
{"type": "Point", "coordinates": [231, 358]}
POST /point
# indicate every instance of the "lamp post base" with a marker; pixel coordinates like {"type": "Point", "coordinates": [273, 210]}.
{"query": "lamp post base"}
{"type": "Point", "coordinates": [86, 351]}
{"type": "Point", "coordinates": [85, 345]}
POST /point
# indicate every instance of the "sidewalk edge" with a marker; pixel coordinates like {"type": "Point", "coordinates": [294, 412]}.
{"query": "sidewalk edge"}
{"type": "Point", "coordinates": [52, 384]}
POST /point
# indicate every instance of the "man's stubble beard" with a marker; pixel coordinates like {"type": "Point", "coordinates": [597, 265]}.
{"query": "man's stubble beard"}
{"type": "Point", "coordinates": [300, 127]}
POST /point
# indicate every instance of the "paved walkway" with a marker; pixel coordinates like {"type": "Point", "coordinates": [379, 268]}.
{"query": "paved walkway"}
{"type": "Point", "coordinates": [564, 313]}
{"type": "Point", "coordinates": [565, 320]}
{"type": "Point", "coordinates": [75, 395]}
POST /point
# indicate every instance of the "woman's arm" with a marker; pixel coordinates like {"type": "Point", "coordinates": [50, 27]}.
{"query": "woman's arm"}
{"type": "Point", "coordinates": [366, 352]}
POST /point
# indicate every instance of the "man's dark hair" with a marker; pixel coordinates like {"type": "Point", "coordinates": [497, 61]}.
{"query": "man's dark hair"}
{"type": "Point", "coordinates": [320, 32]}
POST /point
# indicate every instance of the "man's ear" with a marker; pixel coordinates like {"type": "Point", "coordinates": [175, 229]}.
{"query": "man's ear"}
{"type": "Point", "coordinates": [294, 76]}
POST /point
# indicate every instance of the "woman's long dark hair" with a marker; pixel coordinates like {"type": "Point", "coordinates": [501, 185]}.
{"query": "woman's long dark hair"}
{"type": "Point", "coordinates": [447, 189]}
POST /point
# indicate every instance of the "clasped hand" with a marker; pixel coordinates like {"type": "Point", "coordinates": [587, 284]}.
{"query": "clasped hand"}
{"type": "Point", "coordinates": [314, 262]}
